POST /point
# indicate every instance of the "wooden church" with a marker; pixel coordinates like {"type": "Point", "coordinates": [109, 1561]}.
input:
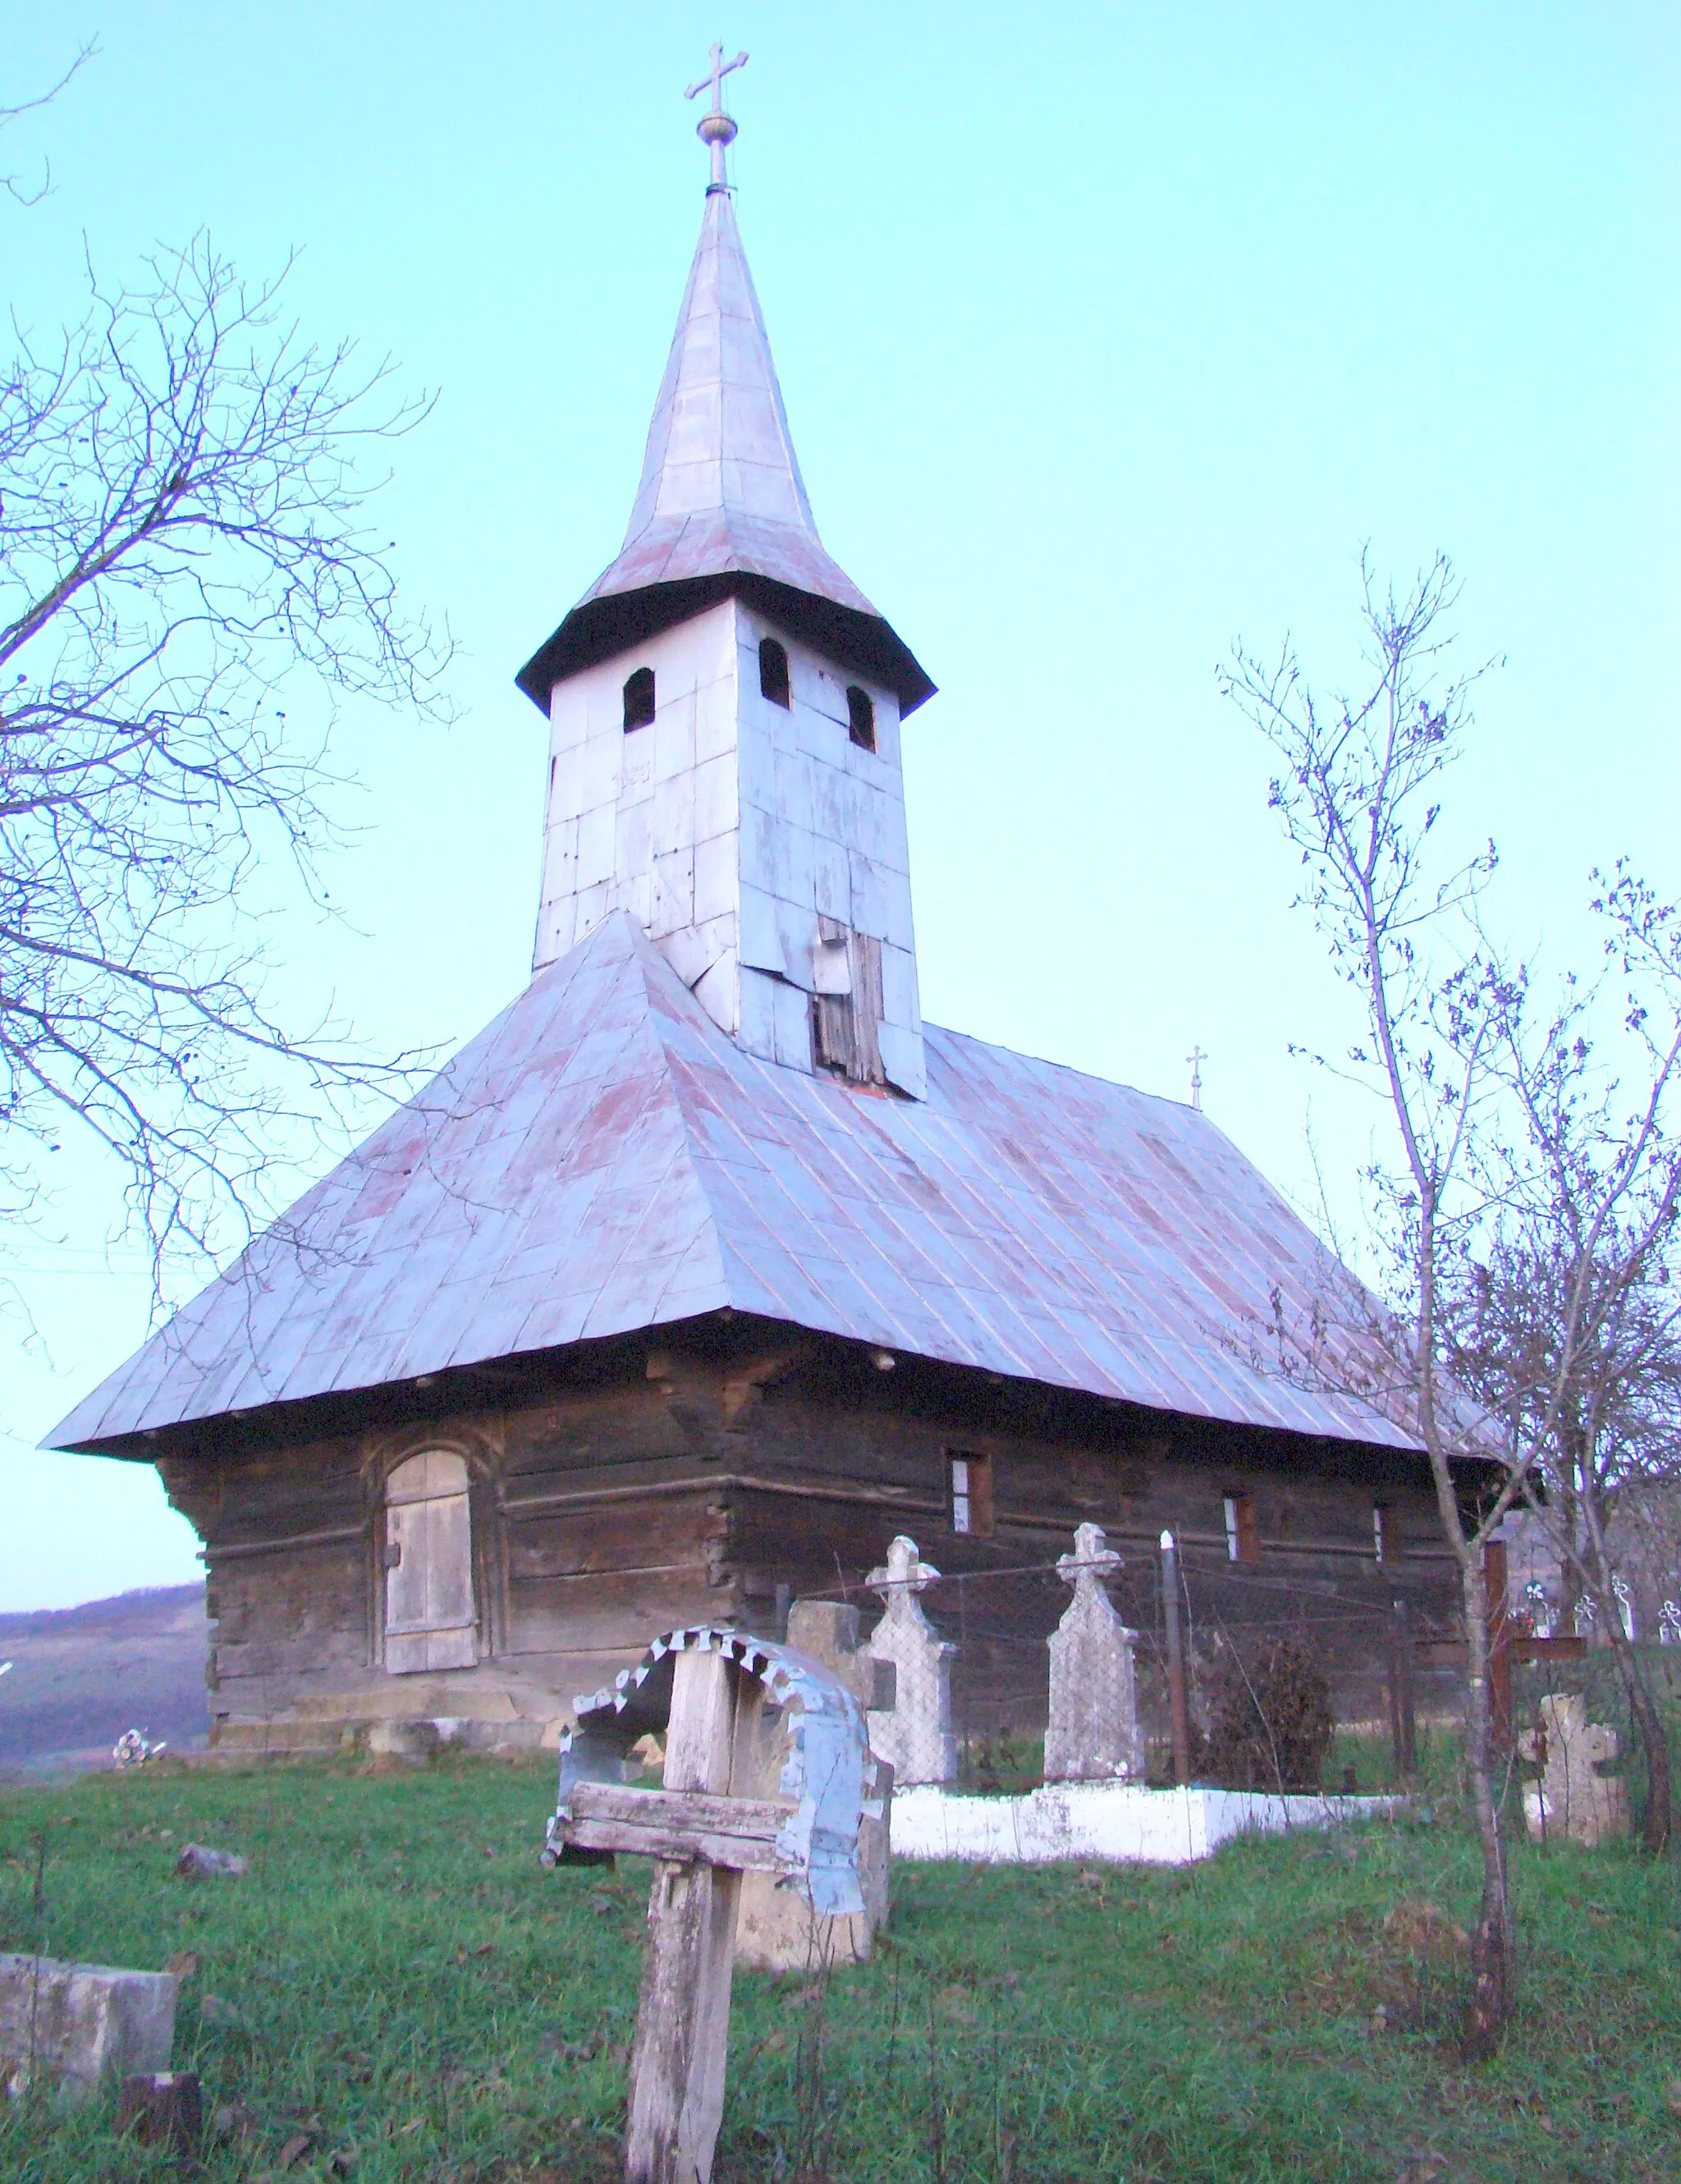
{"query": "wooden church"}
{"type": "Point", "coordinates": [709, 1264]}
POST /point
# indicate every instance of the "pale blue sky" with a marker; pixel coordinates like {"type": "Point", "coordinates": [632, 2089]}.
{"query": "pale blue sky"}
{"type": "Point", "coordinates": [1108, 334]}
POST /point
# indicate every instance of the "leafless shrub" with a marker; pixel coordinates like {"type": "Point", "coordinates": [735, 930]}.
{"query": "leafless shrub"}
{"type": "Point", "coordinates": [1270, 1718]}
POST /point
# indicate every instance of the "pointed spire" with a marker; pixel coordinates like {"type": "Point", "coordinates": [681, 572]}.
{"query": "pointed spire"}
{"type": "Point", "coordinates": [721, 507]}
{"type": "Point", "coordinates": [720, 443]}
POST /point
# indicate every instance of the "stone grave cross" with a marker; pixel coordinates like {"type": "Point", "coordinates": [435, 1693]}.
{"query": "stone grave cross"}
{"type": "Point", "coordinates": [1093, 1735]}
{"type": "Point", "coordinates": [1572, 1800]}
{"type": "Point", "coordinates": [726, 1703]}
{"type": "Point", "coordinates": [915, 1738]}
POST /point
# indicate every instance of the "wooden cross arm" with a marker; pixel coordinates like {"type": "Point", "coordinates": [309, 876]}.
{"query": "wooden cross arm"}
{"type": "Point", "coordinates": [737, 1833]}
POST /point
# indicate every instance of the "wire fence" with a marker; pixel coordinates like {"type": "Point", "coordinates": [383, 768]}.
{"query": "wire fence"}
{"type": "Point", "coordinates": [1385, 1647]}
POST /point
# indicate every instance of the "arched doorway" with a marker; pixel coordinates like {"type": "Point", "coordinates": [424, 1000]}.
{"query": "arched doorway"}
{"type": "Point", "coordinates": [430, 1621]}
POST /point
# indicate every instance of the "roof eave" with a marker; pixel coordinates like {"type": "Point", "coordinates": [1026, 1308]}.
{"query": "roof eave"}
{"type": "Point", "coordinates": [523, 1377]}
{"type": "Point", "coordinates": [616, 621]}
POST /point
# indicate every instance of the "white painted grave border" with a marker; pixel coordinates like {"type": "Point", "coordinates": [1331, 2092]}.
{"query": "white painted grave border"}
{"type": "Point", "coordinates": [1110, 1823]}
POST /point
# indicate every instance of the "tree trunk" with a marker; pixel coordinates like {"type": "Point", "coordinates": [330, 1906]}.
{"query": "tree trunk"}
{"type": "Point", "coordinates": [1493, 1963]}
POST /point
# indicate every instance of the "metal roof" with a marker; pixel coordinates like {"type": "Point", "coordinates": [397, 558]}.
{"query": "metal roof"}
{"type": "Point", "coordinates": [721, 497]}
{"type": "Point", "coordinates": [602, 1158]}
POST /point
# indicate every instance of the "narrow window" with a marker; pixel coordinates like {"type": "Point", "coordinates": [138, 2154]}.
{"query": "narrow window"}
{"type": "Point", "coordinates": [429, 1618]}
{"type": "Point", "coordinates": [1243, 1534]}
{"type": "Point", "coordinates": [639, 699]}
{"type": "Point", "coordinates": [773, 673]}
{"type": "Point", "coordinates": [860, 717]}
{"type": "Point", "coordinates": [971, 1495]}
{"type": "Point", "coordinates": [1379, 1544]}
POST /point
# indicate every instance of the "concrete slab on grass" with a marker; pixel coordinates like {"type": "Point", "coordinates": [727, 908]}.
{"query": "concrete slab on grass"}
{"type": "Point", "coordinates": [79, 2027]}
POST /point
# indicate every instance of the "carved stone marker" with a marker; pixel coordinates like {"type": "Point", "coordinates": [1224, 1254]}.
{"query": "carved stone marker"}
{"type": "Point", "coordinates": [727, 1704]}
{"type": "Point", "coordinates": [776, 1929]}
{"type": "Point", "coordinates": [79, 2027]}
{"type": "Point", "coordinates": [1093, 1735]}
{"type": "Point", "coordinates": [915, 1737]}
{"type": "Point", "coordinates": [1572, 1802]}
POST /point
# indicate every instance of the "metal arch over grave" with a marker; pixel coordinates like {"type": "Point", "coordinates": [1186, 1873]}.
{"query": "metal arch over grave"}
{"type": "Point", "coordinates": [735, 1713]}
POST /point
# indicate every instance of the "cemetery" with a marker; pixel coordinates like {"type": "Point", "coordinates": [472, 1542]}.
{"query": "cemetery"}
{"type": "Point", "coordinates": [709, 1966]}
{"type": "Point", "coordinates": [399, 1991]}
{"type": "Point", "coordinates": [782, 1608]}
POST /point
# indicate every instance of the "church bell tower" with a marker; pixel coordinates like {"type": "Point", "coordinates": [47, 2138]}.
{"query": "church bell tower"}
{"type": "Point", "coordinates": [725, 707]}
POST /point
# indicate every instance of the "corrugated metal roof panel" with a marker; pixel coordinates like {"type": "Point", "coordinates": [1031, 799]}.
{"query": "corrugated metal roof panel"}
{"type": "Point", "coordinates": [640, 1169]}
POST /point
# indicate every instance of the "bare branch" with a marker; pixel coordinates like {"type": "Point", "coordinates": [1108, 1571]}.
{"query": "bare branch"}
{"type": "Point", "coordinates": [10, 184]}
{"type": "Point", "coordinates": [187, 577]}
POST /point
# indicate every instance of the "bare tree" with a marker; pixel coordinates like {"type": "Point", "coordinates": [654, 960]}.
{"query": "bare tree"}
{"type": "Point", "coordinates": [185, 574]}
{"type": "Point", "coordinates": [1471, 1134]}
{"type": "Point", "coordinates": [1566, 1319]}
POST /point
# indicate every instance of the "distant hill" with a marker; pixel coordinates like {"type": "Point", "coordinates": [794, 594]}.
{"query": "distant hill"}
{"type": "Point", "coordinates": [81, 1676]}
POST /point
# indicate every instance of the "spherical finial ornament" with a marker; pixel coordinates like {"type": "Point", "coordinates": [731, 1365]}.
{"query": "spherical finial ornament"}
{"type": "Point", "coordinates": [715, 129]}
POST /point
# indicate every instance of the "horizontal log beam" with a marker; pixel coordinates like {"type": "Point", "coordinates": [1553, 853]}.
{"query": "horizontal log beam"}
{"type": "Point", "coordinates": [227, 1550]}
{"type": "Point", "coordinates": [737, 1833]}
{"type": "Point", "coordinates": [707, 1482]}
{"type": "Point", "coordinates": [906, 1501]}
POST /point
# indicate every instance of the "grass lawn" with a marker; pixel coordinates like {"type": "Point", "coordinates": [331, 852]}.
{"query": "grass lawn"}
{"type": "Point", "coordinates": [399, 1987]}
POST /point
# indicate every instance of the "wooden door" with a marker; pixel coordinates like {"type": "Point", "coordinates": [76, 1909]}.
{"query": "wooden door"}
{"type": "Point", "coordinates": [429, 1618]}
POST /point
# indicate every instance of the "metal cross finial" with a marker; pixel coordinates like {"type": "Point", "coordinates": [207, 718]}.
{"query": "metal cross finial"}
{"type": "Point", "coordinates": [715, 129]}
{"type": "Point", "coordinates": [1196, 1057]}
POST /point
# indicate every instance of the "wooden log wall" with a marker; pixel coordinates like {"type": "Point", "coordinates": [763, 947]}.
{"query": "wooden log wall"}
{"type": "Point", "coordinates": [692, 1477]}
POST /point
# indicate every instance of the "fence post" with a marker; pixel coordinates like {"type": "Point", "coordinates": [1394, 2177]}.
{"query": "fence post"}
{"type": "Point", "coordinates": [959, 1684]}
{"type": "Point", "coordinates": [1176, 1661]}
{"type": "Point", "coordinates": [1403, 1720]}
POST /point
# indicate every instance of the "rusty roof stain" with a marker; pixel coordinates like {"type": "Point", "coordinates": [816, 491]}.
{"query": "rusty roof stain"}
{"type": "Point", "coordinates": [602, 1158]}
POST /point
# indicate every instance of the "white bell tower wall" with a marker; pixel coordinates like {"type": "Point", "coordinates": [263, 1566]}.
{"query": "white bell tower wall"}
{"type": "Point", "coordinates": [761, 846]}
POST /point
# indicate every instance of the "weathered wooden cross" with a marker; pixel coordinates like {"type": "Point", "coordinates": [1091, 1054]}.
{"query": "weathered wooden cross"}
{"type": "Point", "coordinates": [739, 1716]}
